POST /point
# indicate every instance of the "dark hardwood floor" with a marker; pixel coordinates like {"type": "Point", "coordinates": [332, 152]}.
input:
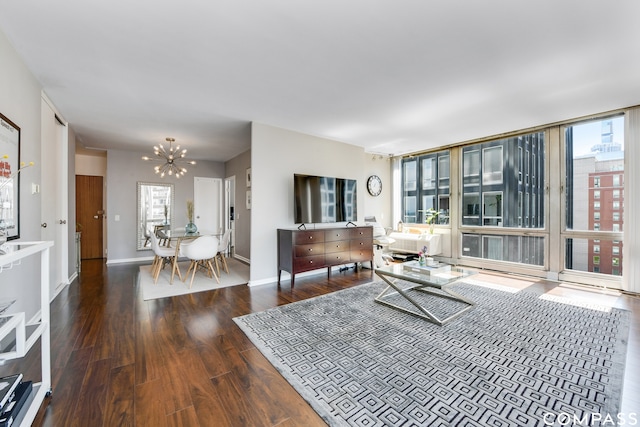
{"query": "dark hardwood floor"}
{"type": "Point", "coordinates": [120, 361]}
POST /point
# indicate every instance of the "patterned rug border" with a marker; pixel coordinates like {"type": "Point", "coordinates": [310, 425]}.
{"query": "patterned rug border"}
{"type": "Point", "coordinates": [612, 406]}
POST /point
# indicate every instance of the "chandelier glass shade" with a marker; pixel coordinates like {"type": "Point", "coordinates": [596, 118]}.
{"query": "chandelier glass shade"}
{"type": "Point", "coordinates": [172, 160]}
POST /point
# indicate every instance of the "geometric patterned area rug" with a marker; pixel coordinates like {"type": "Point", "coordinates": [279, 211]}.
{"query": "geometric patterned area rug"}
{"type": "Point", "coordinates": [516, 359]}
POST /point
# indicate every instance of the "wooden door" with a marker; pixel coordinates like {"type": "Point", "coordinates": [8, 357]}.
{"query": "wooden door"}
{"type": "Point", "coordinates": [90, 214]}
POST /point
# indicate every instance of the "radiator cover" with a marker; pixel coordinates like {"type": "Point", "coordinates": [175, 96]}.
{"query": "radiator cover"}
{"type": "Point", "coordinates": [413, 243]}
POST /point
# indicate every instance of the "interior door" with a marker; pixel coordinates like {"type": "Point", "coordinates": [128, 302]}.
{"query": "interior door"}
{"type": "Point", "coordinates": [207, 202]}
{"type": "Point", "coordinates": [90, 214]}
{"type": "Point", "coordinates": [54, 193]}
{"type": "Point", "coordinates": [230, 203]}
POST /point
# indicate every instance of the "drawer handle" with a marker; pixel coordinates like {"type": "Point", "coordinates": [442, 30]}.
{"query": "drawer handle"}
{"type": "Point", "coordinates": [310, 249]}
{"type": "Point", "coordinates": [310, 237]}
{"type": "Point", "coordinates": [310, 262]}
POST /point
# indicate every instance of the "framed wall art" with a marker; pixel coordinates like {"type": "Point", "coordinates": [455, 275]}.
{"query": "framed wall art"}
{"type": "Point", "coordinates": [9, 179]}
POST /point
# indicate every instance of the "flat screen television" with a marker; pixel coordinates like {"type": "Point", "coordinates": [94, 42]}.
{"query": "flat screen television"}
{"type": "Point", "coordinates": [319, 199]}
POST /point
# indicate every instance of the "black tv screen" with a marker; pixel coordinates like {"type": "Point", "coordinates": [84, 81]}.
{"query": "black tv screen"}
{"type": "Point", "coordinates": [320, 199]}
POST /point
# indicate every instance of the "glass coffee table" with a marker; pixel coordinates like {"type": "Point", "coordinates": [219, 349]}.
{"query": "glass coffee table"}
{"type": "Point", "coordinates": [407, 282]}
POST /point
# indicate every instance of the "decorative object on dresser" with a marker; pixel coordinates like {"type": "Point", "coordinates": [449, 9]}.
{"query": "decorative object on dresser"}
{"type": "Point", "coordinates": [306, 250]}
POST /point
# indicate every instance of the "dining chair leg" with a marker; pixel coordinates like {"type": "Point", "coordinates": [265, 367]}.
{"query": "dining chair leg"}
{"type": "Point", "coordinates": [215, 259]}
{"type": "Point", "coordinates": [213, 271]}
{"type": "Point", "coordinates": [191, 265]}
{"type": "Point", "coordinates": [156, 269]}
{"type": "Point", "coordinates": [224, 262]}
{"type": "Point", "coordinates": [175, 268]}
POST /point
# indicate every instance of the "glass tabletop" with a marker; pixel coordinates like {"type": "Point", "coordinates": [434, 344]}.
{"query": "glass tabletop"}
{"type": "Point", "coordinates": [435, 276]}
{"type": "Point", "coordinates": [177, 232]}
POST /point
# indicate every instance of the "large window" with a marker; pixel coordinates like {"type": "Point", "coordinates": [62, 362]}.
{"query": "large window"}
{"type": "Point", "coordinates": [513, 204]}
{"type": "Point", "coordinates": [431, 172]}
{"type": "Point", "coordinates": [511, 190]}
{"type": "Point", "coordinates": [503, 186]}
{"type": "Point", "coordinates": [594, 163]}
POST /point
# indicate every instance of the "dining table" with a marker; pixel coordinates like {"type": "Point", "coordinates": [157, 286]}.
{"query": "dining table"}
{"type": "Point", "coordinates": [174, 238]}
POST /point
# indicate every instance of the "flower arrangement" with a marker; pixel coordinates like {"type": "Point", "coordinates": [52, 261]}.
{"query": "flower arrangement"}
{"type": "Point", "coordinates": [5, 172]}
{"type": "Point", "coordinates": [190, 210]}
{"type": "Point", "coordinates": [422, 255]}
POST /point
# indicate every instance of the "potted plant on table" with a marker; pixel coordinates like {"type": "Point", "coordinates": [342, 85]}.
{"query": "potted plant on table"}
{"type": "Point", "coordinates": [430, 216]}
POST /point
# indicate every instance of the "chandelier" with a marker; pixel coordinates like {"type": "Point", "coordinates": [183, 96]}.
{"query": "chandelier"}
{"type": "Point", "coordinates": [172, 158]}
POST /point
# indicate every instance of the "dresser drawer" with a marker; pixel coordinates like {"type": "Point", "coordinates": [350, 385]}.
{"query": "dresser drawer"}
{"type": "Point", "coordinates": [308, 263]}
{"type": "Point", "coordinates": [362, 255]}
{"type": "Point", "coordinates": [362, 233]}
{"type": "Point", "coordinates": [359, 244]}
{"type": "Point", "coordinates": [305, 237]}
{"type": "Point", "coordinates": [337, 246]}
{"type": "Point", "coordinates": [336, 258]}
{"type": "Point", "coordinates": [337, 234]}
{"type": "Point", "coordinates": [308, 250]}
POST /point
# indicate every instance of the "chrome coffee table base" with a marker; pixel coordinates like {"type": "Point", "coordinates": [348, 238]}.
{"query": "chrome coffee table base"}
{"type": "Point", "coordinates": [423, 284]}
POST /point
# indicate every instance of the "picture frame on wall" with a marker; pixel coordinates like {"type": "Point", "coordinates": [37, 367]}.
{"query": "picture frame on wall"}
{"type": "Point", "coordinates": [9, 179]}
{"type": "Point", "coordinates": [248, 177]}
{"type": "Point", "coordinates": [248, 199]}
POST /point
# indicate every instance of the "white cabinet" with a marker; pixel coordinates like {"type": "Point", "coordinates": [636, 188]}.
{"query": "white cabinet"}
{"type": "Point", "coordinates": [26, 334]}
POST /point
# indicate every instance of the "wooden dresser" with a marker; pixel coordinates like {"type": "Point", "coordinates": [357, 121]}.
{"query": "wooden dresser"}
{"type": "Point", "coordinates": [305, 250]}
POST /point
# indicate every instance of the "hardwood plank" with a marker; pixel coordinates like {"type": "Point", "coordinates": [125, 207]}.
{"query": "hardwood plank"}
{"type": "Point", "coordinates": [122, 334]}
{"type": "Point", "coordinates": [92, 395]}
{"type": "Point", "coordinates": [64, 404]}
{"type": "Point", "coordinates": [149, 406]}
{"type": "Point", "coordinates": [238, 409]}
{"type": "Point", "coordinates": [147, 365]}
{"type": "Point", "coordinates": [177, 396]}
{"type": "Point", "coordinates": [184, 418]}
{"type": "Point", "coordinates": [119, 408]}
{"type": "Point", "coordinates": [207, 403]}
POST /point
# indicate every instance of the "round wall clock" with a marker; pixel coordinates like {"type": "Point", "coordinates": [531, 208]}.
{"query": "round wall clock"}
{"type": "Point", "coordinates": [374, 185]}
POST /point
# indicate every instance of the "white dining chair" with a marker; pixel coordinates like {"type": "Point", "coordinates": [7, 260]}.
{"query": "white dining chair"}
{"type": "Point", "coordinates": [162, 256]}
{"type": "Point", "coordinates": [200, 252]}
{"type": "Point", "coordinates": [222, 250]}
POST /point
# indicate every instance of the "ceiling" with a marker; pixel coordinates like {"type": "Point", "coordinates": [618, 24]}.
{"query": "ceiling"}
{"type": "Point", "coordinates": [391, 76]}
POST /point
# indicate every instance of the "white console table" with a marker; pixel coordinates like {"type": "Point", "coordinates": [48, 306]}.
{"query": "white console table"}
{"type": "Point", "coordinates": [27, 334]}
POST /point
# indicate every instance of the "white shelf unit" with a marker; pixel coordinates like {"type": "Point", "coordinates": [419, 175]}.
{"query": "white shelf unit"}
{"type": "Point", "coordinates": [26, 334]}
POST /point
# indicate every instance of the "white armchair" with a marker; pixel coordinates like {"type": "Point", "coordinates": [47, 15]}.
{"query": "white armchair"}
{"type": "Point", "coordinates": [381, 243]}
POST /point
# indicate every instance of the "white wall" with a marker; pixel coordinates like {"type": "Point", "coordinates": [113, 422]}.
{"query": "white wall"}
{"type": "Point", "coordinates": [91, 164]}
{"type": "Point", "coordinates": [20, 102]}
{"type": "Point", "coordinates": [238, 167]}
{"type": "Point", "coordinates": [276, 154]}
